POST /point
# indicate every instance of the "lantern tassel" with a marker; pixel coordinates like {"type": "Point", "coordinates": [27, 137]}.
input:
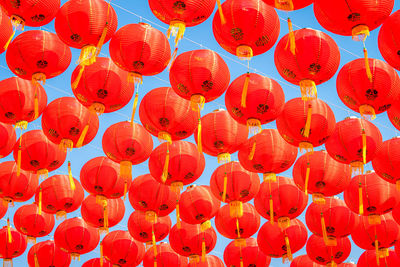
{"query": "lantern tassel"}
{"type": "Point", "coordinates": [88, 55]}
{"type": "Point", "coordinates": [78, 78]}
{"type": "Point", "coordinates": [254, 126]}
{"type": "Point", "coordinates": [176, 28]}
{"type": "Point", "coordinates": [40, 201]}
{"type": "Point", "coordinates": [203, 250]}
{"type": "Point", "coordinates": [101, 255]}
{"type": "Point", "coordinates": [9, 231]}
{"type": "Point", "coordinates": [283, 223]}
{"type": "Point", "coordinates": [306, 132]}
{"type": "Point", "coordinates": [374, 219]}
{"type": "Point", "coordinates": [199, 142]}
{"type": "Point", "coordinates": [269, 177]}
{"type": "Point", "coordinates": [271, 210]}
{"type": "Point", "coordinates": [36, 106]}
{"type": "Point", "coordinates": [224, 158]}
{"type": "Point", "coordinates": [398, 185]}
{"type": "Point", "coordinates": [164, 175]}
{"type": "Point", "coordinates": [225, 187]}
{"type": "Point", "coordinates": [236, 209]}
{"type": "Point", "coordinates": [323, 225]}
{"type": "Point", "coordinates": [291, 43]}
{"type": "Point", "coordinates": [173, 58]}
{"type": "Point", "coordinates": [288, 250]}
{"type": "Point", "coordinates": [205, 225]}
{"type": "Point", "coordinates": [125, 169]}
{"type": "Point", "coordinates": [125, 189]}
{"type": "Point", "coordinates": [284, 5]}
{"type": "Point", "coordinates": [244, 52]}
{"type": "Point", "coordinates": [71, 179]}
{"type": "Point", "coordinates": [253, 150]}
{"type": "Point", "coordinates": [237, 229]}
{"type": "Point", "coordinates": [307, 179]}
{"type": "Point", "coordinates": [364, 146]}
{"type": "Point", "coordinates": [83, 136]}
{"type": "Point", "coordinates": [308, 90]}
{"type": "Point", "coordinates": [7, 263]}
{"type": "Point", "coordinates": [367, 67]}
{"type": "Point", "coordinates": [376, 244]}
{"type": "Point", "coordinates": [367, 112]}
{"type": "Point", "coordinates": [105, 214]}
{"type": "Point", "coordinates": [36, 260]}
{"type": "Point", "coordinates": [360, 200]}
{"type": "Point", "coordinates": [19, 159]}
{"type": "Point", "coordinates": [10, 39]}
{"type": "Point", "coordinates": [221, 13]}
{"type": "Point", "coordinates": [153, 240]}
{"type": "Point", "coordinates": [178, 216]}
{"type": "Point", "coordinates": [245, 89]}
{"type": "Point", "coordinates": [135, 103]}
{"type": "Point", "coordinates": [102, 39]}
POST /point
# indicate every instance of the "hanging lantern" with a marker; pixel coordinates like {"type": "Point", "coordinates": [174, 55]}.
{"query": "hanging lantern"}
{"type": "Point", "coordinates": [251, 27]}
{"type": "Point", "coordinates": [8, 138]}
{"type": "Point", "coordinates": [304, 261]}
{"type": "Point", "coordinates": [267, 153]}
{"type": "Point", "coordinates": [69, 124]}
{"type": "Point", "coordinates": [368, 259]}
{"type": "Point", "coordinates": [209, 261]}
{"type": "Point", "coordinates": [248, 255]}
{"type": "Point", "coordinates": [221, 135]}
{"type": "Point", "coordinates": [6, 29]}
{"type": "Point", "coordinates": [103, 87]}
{"type": "Point", "coordinates": [12, 244]}
{"type": "Point", "coordinates": [38, 55]}
{"type": "Point", "coordinates": [3, 209]}
{"type": "Point", "coordinates": [289, 5]}
{"type": "Point", "coordinates": [100, 177]}
{"type": "Point", "coordinates": [280, 202]}
{"type": "Point", "coordinates": [394, 115]}
{"type": "Point", "coordinates": [388, 40]}
{"type": "Point", "coordinates": [165, 257]}
{"type": "Point", "coordinates": [306, 124]}
{"type": "Point", "coordinates": [97, 262]}
{"type": "Point", "coordinates": [354, 142]}
{"type": "Point", "coordinates": [120, 249]}
{"type": "Point", "coordinates": [314, 59]}
{"type": "Point", "coordinates": [58, 196]}
{"type": "Point", "coordinates": [367, 97]}
{"type": "Point", "coordinates": [328, 255]}
{"type": "Point", "coordinates": [254, 100]}
{"type": "Point", "coordinates": [141, 229]}
{"type": "Point", "coordinates": [320, 175]}
{"type": "Point", "coordinates": [370, 195]}
{"type": "Point", "coordinates": [76, 237]}
{"type": "Point", "coordinates": [46, 253]}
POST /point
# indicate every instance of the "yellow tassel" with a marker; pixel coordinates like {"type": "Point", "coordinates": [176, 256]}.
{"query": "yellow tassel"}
{"type": "Point", "coordinates": [224, 158]}
{"type": "Point", "coordinates": [66, 144]}
{"type": "Point", "coordinates": [221, 13]}
{"type": "Point", "coordinates": [9, 231]}
{"type": "Point", "coordinates": [203, 250]}
{"type": "Point", "coordinates": [178, 217]}
{"type": "Point", "coordinates": [271, 210]}
{"type": "Point", "coordinates": [376, 243]}
{"type": "Point", "coordinates": [194, 259]}
{"type": "Point", "coordinates": [36, 106]}
{"type": "Point", "coordinates": [97, 108]}
{"type": "Point", "coordinates": [40, 201]}
{"type": "Point", "coordinates": [164, 137]}
{"type": "Point", "coordinates": [360, 32]}
{"type": "Point", "coordinates": [236, 209]}
{"type": "Point", "coordinates": [125, 189]}
{"type": "Point", "coordinates": [135, 78]}
{"type": "Point", "coordinates": [83, 135]}
{"type": "Point", "coordinates": [10, 39]}
{"type": "Point", "coordinates": [199, 142]}
{"type": "Point", "coordinates": [306, 132]}
{"type": "Point", "coordinates": [61, 214]}
{"type": "Point", "coordinates": [360, 200]}
{"type": "Point", "coordinates": [135, 103]}
{"type": "Point", "coordinates": [292, 39]}
{"type": "Point", "coordinates": [71, 179]}
{"type": "Point", "coordinates": [38, 78]}
{"type": "Point", "coordinates": [237, 229]}
{"type": "Point", "coordinates": [88, 55]}
{"type": "Point", "coordinates": [244, 52]}
{"type": "Point", "coordinates": [283, 223]}
{"type": "Point", "coordinates": [269, 177]}
{"type": "Point", "coordinates": [367, 68]}
{"type": "Point", "coordinates": [253, 150]}
{"type": "Point", "coordinates": [105, 214]}
{"type": "Point", "coordinates": [241, 262]}
{"type": "Point", "coordinates": [284, 5]}
{"type": "Point", "coordinates": [306, 147]}
{"type": "Point", "coordinates": [364, 146]}
{"type": "Point", "coordinates": [374, 219]}
{"type": "Point", "coordinates": [101, 255]}
{"type": "Point", "coordinates": [205, 225]}
{"type": "Point", "coordinates": [307, 179]}
{"type": "Point", "coordinates": [177, 187]}
{"type": "Point", "coordinates": [125, 169]}
{"type": "Point", "coordinates": [151, 216]}
{"type": "Point", "coordinates": [254, 126]}
{"type": "Point", "coordinates": [36, 260]}
{"type": "Point", "coordinates": [76, 256]}
{"type": "Point", "coordinates": [155, 262]}
{"type": "Point", "coordinates": [173, 58]}
{"type": "Point", "coordinates": [398, 185]}
{"type": "Point", "coordinates": [78, 78]}
{"type": "Point", "coordinates": [323, 225]}
{"type": "Point", "coordinates": [42, 173]}
{"type": "Point", "coordinates": [356, 167]}
{"type": "Point", "coordinates": [197, 102]}
{"type": "Point", "coordinates": [288, 250]}
{"type": "Point", "coordinates": [367, 112]}
{"type": "Point", "coordinates": [308, 90]}
{"type": "Point", "coordinates": [21, 125]}
{"type": "Point", "coordinates": [19, 161]}
{"type": "Point", "coordinates": [166, 164]}
{"type": "Point", "coordinates": [225, 187]}
{"type": "Point", "coordinates": [240, 242]}
{"type": "Point", "coordinates": [101, 40]}
{"type": "Point", "coordinates": [244, 91]}
{"type": "Point", "coordinates": [177, 29]}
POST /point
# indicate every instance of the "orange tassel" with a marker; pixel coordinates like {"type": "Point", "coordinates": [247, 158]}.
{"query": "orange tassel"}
{"type": "Point", "coordinates": [125, 189]}
{"type": "Point", "coordinates": [71, 179]}
{"type": "Point", "coordinates": [288, 250]}
{"type": "Point", "coordinates": [10, 39]}
{"type": "Point", "coordinates": [178, 216]}
{"type": "Point", "coordinates": [324, 234]}
{"type": "Point", "coordinates": [271, 210]}
{"type": "Point", "coordinates": [166, 164]}
{"type": "Point", "coordinates": [236, 209]}
{"type": "Point", "coordinates": [221, 13]}
{"type": "Point", "coordinates": [238, 228]}
{"type": "Point", "coordinates": [36, 106]}
{"type": "Point", "coordinates": [307, 179]}
{"type": "Point", "coordinates": [153, 240]}
{"type": "Point", "coordinates": [9, 231]}
{"type": "Point", "coordinates": [203, 250]}
{"type": "Point", "coordinates": [101, 255]}
{"type": "Point", "coordinates": [125, 169]}
{"type": "Point", "coordinates": [253, 150]}
{"type": "Point", "coordinates": [225, 187]}
{"type": "Point", "coordinates": [101, 40]}
{"type": "Point", "coordinates": [135, 103]}
{"type": "Point", "coordinates": [82, 137]}
{"type": "Point", "coordinates": [376, 243]}
{"type": "Point", "coordinates": [364, 146]}
{"type": "Point", "coordinates": [199, 143]}
{"type": "Point", "coordinates": [78, 78]}
{"type": "Point", "coordinates": [40, 201]}
{"type": "Point", "coordinates": [19, 161]}
{"type": "Point", "coordinates": [245, 89]}
{"type": "Point", "coordinates": [360, 200]}
{"type": "Point", "coordinates": [367, 67]}
{"type": "Point", "coordinates": [306, 132]}
{"type": "Point", "coordinates": [105, 214]}
{"type": "Point", "coordinates": [36, 260]}
{"type": "Point", "coordinates": [292, 39]}
{"type": "Point", "coordinates": [398, 185]}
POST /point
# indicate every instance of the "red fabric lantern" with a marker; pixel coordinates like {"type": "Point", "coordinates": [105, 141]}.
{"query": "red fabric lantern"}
{"type": "Point", "coordinates": [32, 222]}
{"type": "Point", "coordinates": [267, 153]}
{"type": "Point", "coordinates": [251, 27]}
{"type": "Point", "coordinates": [320, 175]}
{"type": "Point", "coordinates": [304, 261]}
{"type": "Point", "coordinates": [254, 100]}
{"type": "Point", "coordinates": [21, 101]}
{"type": "Point", "coordinates": [221, 135]}
{"type": "Point", "coordinates": [367, 97]}
{"type": "Point", "coordinates": [277, 243]}
{"type": "Point", "coordinates": [328, 255]}
{"type": "Point", "coordinates": [306, 124]}
{"type": "Point", "coordinates": [394, 115]}
{"type": "Point", "coordinates": [386, 160]}
{"type": "Point", "coordinates": [368, 259]}
{"type": "Point", "coordinates": [141, 229]}
{"type": "Point", "coordinates": [96, 262]}
{"type": "Point", "coordinates": [38, 55]}
{"type": "Point", "coordinates": [249, 255]}
{"type": "Point", "coordinates": [199, 75]}
{"type": "Point", "coordinates": [67, 123]}
{"type": "Point", "coordinates": [3, 210]}
{"type": "Point", "coordinates": [121, 249]}
{"type": "Point", "coordinates": [368, 194]}
{"type": "Point", "coordinates": [76, 237]}
{"type": "Point", "coordinates": [46, 253]}
{"type": "Point", "coordinates": [103, 86]}
{"type": "Point", "coordinates": [16, 188]}
{"type": "Point", "coordinates": [289, 5]}
{"type": "Point", "coordinates": [354, 142]}
{"type": "Point", "coordinates": [100, 177]}
{"type": "Point", "coordinates": [102, 214]}
{"type": "Point", "coordinates": [165, 257]}
{"type": "Point", "coordinates": [58, 197]}
{"type": "Point", "coordinates": [388, 40]}
{"type": "Point", "coordinates": [282, 198]}
{"type": "Point", "coordinates": [210, 261]}
{"type": "Point", "coordinates": [12, 244]}
{"type": "Point", "coordinates": [8, 138]}
{"type": "Point", "coordinates": [314, 60]}
{"type": "Point", "coordinates": [6, 30]}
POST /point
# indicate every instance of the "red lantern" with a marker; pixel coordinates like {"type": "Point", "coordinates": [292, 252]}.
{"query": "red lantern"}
{"type": "Point", "coordinates": [221, 135]}
{"type": "Point", "coordinates": [3, 210]}
{"type": "Point", "coordinates": [100, 177]}
{"type": "Point", "coordinates": [121, 249]}
{"type": "Point", "coordinates": [21, 101]}
{"type": "Point", "coordinates": [38, 154]}
{"type": "Point", "coordinates": [199, 75]}
{"type": "Point", "coordinates": [267, 153]}
{"type": "Point", "coordinates": [127, 144]}
{"type": "Point", "coordinates": [46, 253]}
{"type": "Point", "coordinates": [38, 55]}
{"type": "Point", "coordinates": [76, 237]}
{"type": "Point", "coordinates": [313, 60]}
{"type": "Point", "coordinates": [306, 124]}
{"type": "Point", "coordinates": [8, 138]}
{"type": "Point", "coordinates": [32, 222]}
{"type": "Point", "coordinates": [249, 255]}
{"type": "Point", "coordinates": [280, 201]}
{"type": "Point", "coordinates": [354, 142]}
{"type": "Point", "coordinates": [386, 160]}
{"type": "Point", "coordinates": [12, 244]}
{"type": "Point", "coordinates": [210, 261]}
{"type": "Point", "coordinates": [14, 187]}
{"type": "Point", "coordinates": [254, 100]}
{"type": "Point", "coordinates": [388, 40]}
{"type": "Point", "coordinates": [369, 195]}
{"type": "Point", "coordinates": [102, 214]}
{"type": "Point", "coordinates": [368, 259]}
{"type": "Point", "coordinates": [141, 229]}
{"type": "Point", "coordinates": [67, 123]}
{"type": "Point", "coordinates": [328, 255]}
{"type": "Point", "coordinates": [97, 262]}
{"type": "Point", "coordinates": [367, 97]}
{"type": "Point", "coordinates": [289, 5]}
{"type": "Point", "coordinates": [103, 86]}
{"type": "Point", "coordinates": [6, 31]}
{"type": "Point", "coordinates": [58, 195]}
{"type": "Point", "coordinates": [394, 115]}
{"type": "Point", "coordinates": [277, 243]}
{"type": "Point", "coordinates": [320, 175]}
{"type": "Point", "coordinates": [165, 257]}
{"type": "Point", "coordinates": [304, 261]}
{"type": "Point", "coordinates": [251, 27]}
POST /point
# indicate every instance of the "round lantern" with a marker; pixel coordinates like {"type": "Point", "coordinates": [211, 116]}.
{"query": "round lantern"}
{"type": "Point", "coordinates": [46, 253]}
{"type": "Point", "coordinates": [120, 249]}
{"type": "Point", "coordinates": [369, 259]}
{"type": "Point", "coordinates": [32, 222]}
{"type": "Point", "coordinates": [251, 27]}
{"type": "Point", "coordinates": [304, 261]}
{"type": "Point", "coordinates": [289, 5]}
{"type": "Point", "coordinates": [320, 175]}
{"type": "Point", "coordinates": [370, 195]}
{"type": "Point", "coordinates": [280, 201]}
{"type": "Point", "coordinates": [60, 195]}
{"type": "Point", "coordinates": [103, 87]}
{"type": "Point", "coordinates": [38, 55]}
{"type": "Point", "coordinates": [165, 257]}
{"type": "Point", "coordinates": [248, 255]}
{"type": "Point", "coordinates": [97, 262]}
{"type": "Point", "coordinates": [6, 31]}
{"type": "Point", "coordinates": [76, 237]}
{"type": "Point", "coordinates": [12, 244]}
{"type": "Point", "coordinates": [209, 261]}
{"type": "Point", "coordinates": [306, 124]}
{"type": "Point", "coordinates": [100, 177]}
{"type": "Point", "coordinates": [367, 97]}
{"type": "Point", "coordinates": [394, 115]}
{"type": "Point", "coordinates": [8, 138]}
{"type": "Point", "coordinates": [388, 40]}
{"type": "Point", "coordinates": [254, 100]}
{"type": "Point", "coordinates": [328, 255]}
{"type": "Point", "coordinates": [386, 159]}
{"type": "Point", "coordinates": [67, 123]}
{"type": "Point", "coordinates": [142, 230]}
{"type": "Point", "coordinates": [267, 153]}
